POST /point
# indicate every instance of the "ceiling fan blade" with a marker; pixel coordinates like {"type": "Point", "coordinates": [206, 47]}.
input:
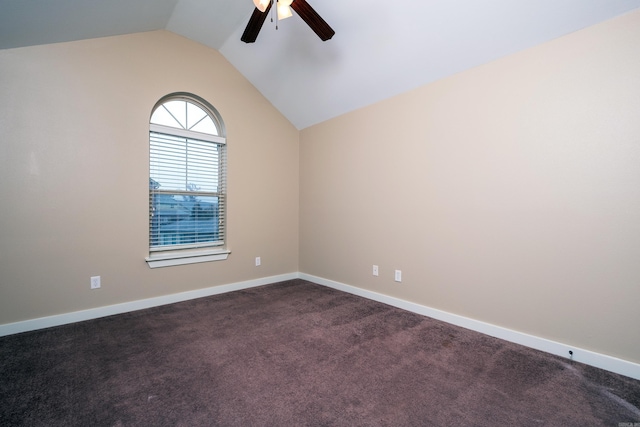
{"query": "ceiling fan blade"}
{"type": "Point", "coordinates": [311, 17]}
{"type": "Point", "coordinates": [255, 24]}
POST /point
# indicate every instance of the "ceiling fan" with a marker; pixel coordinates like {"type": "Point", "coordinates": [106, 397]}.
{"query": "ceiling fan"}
{"type": "Point", "coordinates": [302, 8]}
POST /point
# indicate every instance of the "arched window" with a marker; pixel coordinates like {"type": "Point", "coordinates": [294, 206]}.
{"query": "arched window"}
{"type": "Point", "coordinates": [187, 176]}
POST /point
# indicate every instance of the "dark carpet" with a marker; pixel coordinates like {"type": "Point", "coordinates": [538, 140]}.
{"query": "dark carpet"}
{"type": "Point", "coordinates": [295, 354]}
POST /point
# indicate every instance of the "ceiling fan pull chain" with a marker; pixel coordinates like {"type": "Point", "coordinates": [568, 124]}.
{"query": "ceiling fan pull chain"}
{"type": "Point", "coordinates": [275, 3]}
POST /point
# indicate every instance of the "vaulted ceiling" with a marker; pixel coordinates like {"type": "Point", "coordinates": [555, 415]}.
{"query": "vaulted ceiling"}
{"type": "Point", "coordinates": [380, 49]}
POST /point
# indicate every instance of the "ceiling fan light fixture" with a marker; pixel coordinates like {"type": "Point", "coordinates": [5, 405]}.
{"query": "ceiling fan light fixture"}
{"type": "Point", "coordinates": [261, 5]}
{"type": "Point", "coordinates": [284, 11]}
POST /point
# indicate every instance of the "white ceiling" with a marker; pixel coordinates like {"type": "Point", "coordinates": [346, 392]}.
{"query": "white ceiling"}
{"type": "Point", "coordinates": [380, 49]}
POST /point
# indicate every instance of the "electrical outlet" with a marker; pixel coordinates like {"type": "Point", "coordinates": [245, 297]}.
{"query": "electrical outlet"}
{"type": "Point", "coordinates": [258, 261]}
{"type": "Point", "coordinates": [398, 276]}
{"type": "Point", "coordinates": [95, 282]}
{"type": "Point", "coordinates": [375, 270]}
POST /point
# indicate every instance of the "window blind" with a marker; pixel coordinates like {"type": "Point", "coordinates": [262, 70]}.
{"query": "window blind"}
{"type": "Point", "coordinates": [186, 191]}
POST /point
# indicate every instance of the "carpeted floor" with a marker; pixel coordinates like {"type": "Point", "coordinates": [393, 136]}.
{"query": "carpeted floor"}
{"type": "Point", "coordinates": [295, 354]}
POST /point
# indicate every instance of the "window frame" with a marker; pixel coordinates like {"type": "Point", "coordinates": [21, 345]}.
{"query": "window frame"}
{"type": "Point", "coordinates": [179, 254]}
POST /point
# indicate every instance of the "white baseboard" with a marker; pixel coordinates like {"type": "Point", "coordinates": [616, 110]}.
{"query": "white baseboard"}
{"type": "Point", "coordinates": [94, 313]}
{"type": "Point", "coordinates": [602, 361]}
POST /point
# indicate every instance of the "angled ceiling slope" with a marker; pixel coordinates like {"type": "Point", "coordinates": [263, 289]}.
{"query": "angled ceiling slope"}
{"type": "Point", "coordinates": [378, 51]}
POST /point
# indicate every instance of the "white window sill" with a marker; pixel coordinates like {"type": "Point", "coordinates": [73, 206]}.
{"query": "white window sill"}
{"type": "Point", "coordinates": [168, 259]}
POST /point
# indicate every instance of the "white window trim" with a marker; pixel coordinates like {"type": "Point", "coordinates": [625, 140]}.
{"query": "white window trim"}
{"type": "Point", "coordinates": [161, 257]}
{"type": "Point", "coordinates": [182, 257]}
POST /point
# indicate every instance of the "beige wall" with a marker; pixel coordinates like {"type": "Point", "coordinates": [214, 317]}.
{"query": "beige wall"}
{"type": "Point", "coordinates": [74, 173]}
{"type": "Point", "coordinates": [509, 193]}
